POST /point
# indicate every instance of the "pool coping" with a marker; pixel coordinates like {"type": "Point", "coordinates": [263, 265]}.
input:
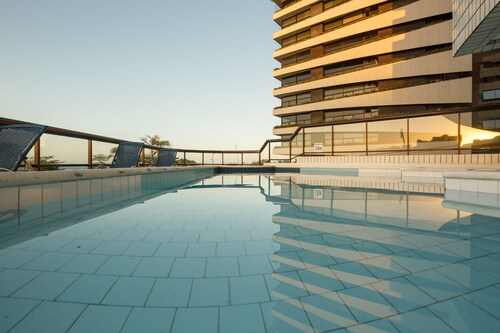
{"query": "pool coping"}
{"type": "Point", "coordinates": [22, 178]}
{"type": "Point", "coordinates": [44, 177]}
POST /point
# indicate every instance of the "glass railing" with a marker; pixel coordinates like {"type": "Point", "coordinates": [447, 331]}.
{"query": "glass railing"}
{"type": "Point", "coordinates": [466, 131]}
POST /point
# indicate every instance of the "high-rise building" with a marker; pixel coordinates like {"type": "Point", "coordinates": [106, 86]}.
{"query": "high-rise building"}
{"type": "Point", "coordinates": [358, 59]}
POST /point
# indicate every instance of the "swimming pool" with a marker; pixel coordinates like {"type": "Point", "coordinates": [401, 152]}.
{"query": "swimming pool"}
{"type": "Point", "coordinates": [245, 253]}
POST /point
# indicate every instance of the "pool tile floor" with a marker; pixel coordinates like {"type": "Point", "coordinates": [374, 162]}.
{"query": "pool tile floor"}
{"type": "Point", "coordinates": [196, 261]}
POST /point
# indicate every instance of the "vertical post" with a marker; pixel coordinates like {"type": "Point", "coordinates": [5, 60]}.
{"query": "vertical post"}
{"type": "Point", "coordinates": [333, 145]}
{"type": "Point", "coordinates": [366, 138]}
{"type": "Point", "coordinates": [290, 150]}
{"type": "Point", "coordinates": [241, 158]}
{"type": "Point", "coordinates": [260, 158]}
{"type": "Point", "coordinates": [184, 159]}
{"type": "Point", "coordinates": [202, 159]}
{"type": "Point", "coordinates": [89, 154]}
{"type": "Point", "coordinates": [459, 139]}
{"type": "Point", "coordinates": [37, 156]}
{"type": "Point", "coordinates": [222, 158]}
{"type": "Point", "coordinates": [143, 157]}
{"type": "Point", "coordinates": [407, 136]}
{"type": "Point", "coordinates": [303, 141]}
{"type": "Point", "coordinates": [269, 152]}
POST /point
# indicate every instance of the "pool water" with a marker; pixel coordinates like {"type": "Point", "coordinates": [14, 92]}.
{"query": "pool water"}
{"type": "Point", "coordinates": [255, 253]}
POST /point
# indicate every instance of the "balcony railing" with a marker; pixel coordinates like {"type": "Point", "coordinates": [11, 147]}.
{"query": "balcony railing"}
{"type": "Point", "coordinates": [464, 131]}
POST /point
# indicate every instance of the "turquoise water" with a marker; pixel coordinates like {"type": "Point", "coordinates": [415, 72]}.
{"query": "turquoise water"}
{"type": "Point", "coordinates": [254, 253]}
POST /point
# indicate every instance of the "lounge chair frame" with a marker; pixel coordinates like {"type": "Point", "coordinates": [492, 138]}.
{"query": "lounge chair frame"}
{"type": "Point", "coordinates": [127, 155]}
{"type": "Point", "coordinates": [15, 143]}
{"type": "Point", "coordinates": [166, 157]}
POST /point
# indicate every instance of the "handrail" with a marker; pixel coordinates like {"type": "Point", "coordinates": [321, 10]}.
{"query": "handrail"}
{"type": "Point", "coordinates": [267, 144]}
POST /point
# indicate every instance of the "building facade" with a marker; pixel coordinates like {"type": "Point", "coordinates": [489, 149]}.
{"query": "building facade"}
{"type": "Point", "coordinates": [359, 59]}
{"type": "Point", "coordinates": [476, 31]}
{"type": "Point", "coordinates": [476, 26]}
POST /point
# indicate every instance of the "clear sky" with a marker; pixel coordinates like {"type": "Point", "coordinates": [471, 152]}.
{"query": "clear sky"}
{"type": "Point", "coordinates": [198, 73]}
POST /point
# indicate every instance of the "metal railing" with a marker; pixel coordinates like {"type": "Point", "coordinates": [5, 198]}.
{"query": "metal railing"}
{"type": "Point", "coordinates": [291, 147]}
{"type": "Point", "coordinates": [207, 156]}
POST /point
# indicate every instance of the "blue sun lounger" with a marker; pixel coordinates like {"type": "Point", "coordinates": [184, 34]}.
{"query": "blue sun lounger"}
{"type": "Point", "coordinates": [166, 157]}
{"type": "Point", "coordinates": [127, 155]}
{"type": "Point", "coordinates": [15, 143]}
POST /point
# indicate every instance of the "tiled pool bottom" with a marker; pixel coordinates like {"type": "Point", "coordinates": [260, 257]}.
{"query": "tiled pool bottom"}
{"type": "Point", "coordinates": [250, 254]}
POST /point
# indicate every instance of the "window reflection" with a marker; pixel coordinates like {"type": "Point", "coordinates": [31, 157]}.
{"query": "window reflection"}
{"type": "Point", "coordinates": [388, 135]}
{"type": "Point", "coordinates": [434, 133]}
{"type": "Point", "coordinates": [350, 137]}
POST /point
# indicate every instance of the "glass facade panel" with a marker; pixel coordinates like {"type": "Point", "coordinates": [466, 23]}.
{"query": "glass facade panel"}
{"type": "Point", "coordinates": [477, 132]}
{"type": "Point", "coordinates": [319, 140]}
{"type": "Point", "coordinates": [388, 135]}
{"type": "Point", "coordinates": [480, 130]}
{"type": "Point", "coordinates": [349, 137]}
{"type": "Point", "coordinates": [436, 132]}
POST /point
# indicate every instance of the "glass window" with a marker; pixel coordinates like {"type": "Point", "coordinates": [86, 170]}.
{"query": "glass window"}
{"type": "Point", "coordinates": [296, 99]}
{"type": "Point", "coordinates": [332, 3]}
{"type": "Point", "coordinates": [302, 16]}
{"type": "Point", "coordinates": [491, 94]}
{"type": "Point", "coordinates": [303, 35]}
{"type": "Point", "coordinates": [303, 77]}
{"type": "Point", "coordinates": [296, 18]}
{"type": "Point", "coordinates": [296, 38]}
{"type": "Point", "coordinates": [299, 57]}
{"type": "Point", "coordinates": [304, 119]}
{"type": "Point", "coordinates": [296, 78]}
{"type": "Point", "coordinates": [289, 40]}
{"type": "Point", "coordinates": [480, 130]}
{"type": "Point", "coordinates": [289, 100]}
{"type": "Point", "coordinates": [388, 135]}
{"type": "Point", "coordinates": [436, 132]}
{"type": "Point", "coordinates": [288, 80]}
{"type": "Point", "coordinates": [304, 56]}
{"type": "Point", "coordinates": [304, 98]}
{"type": "Point", "coordinates": [289, 21]}
{"type": "Point", "coordinates": [288, 120]}
{"type": "Point", "coordinates": [353, 17]}
{"type": "Point", "coordinates": [333, 70]}
{"type": "Point", "coordinates": [332, 93]}
{"type": "Point", "coordinates": [319, 139]}
{"type": "Point", "coordinates": [332, 25]}
{"type": "Point", "coordinates": [349, 137]}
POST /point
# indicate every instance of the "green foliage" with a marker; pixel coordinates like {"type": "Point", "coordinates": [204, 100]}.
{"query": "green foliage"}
{"type": "Point", "coordinates": [151, 155]}
{"type": "Point", "coordinates": [44, 160]}
{"type": "Point", "coordinates": [101, 158]}
{"type": "Point", "coordinates": [181, 161]}
{"type": "Point", "coordinates": [155, 140]}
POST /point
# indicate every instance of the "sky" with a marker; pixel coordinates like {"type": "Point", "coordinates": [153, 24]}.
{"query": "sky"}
{"type": "Point", "coordinates": [197, 73]}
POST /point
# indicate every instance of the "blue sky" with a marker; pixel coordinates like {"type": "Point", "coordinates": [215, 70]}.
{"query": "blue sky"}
{"type": "Point", "coordinates": [198, 72]}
